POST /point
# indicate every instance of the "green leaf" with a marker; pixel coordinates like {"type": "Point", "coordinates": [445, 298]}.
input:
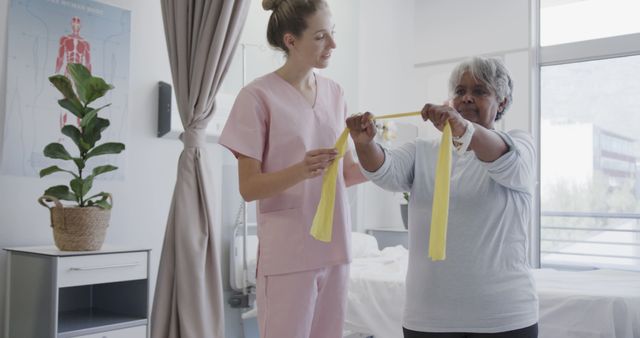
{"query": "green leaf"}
{"type": "Point", "coordinates": [49, 170]}
{"type": "Point", "coordinates": [106, 148]}
{"type": "Point", "coordinates": [75, 107]}
{"type": "Point", "coordinates": [101, 124]}
{"type": "Point", "coordinates": [91, 115]}
{"type": "Point", "coordinates": [80, 163]}
{"type": "Point", "coordinates": [63, 84]}
{"type": "Point", "coordinates": [61, 192]}
{"type": "Point", "coordinates": [103, 169]}
{"type": "Point", "coordinates": [56, 151]}
{"type": "Point", "coordinates": [93, 132]}
{"type": "Point", "coordinates": [102, 194]}
{"type": "Point", "coordinates": [102, 203]}
{"type": "Point", "coordinates": [96, 88]}
{"type": "Point", "coordinates": [80, 75]}
{"type": "Point", "coordinates": [54, 169]}
{"type": "Point", "coordinates": [87, 184]}
{"type": "Point", "coordinates": [89, 87]}
{"type": "Point", "coordinates": [76, 186]}
{"type": "Point", "coordinates": [74, 133]}
{"type": "Point", "coordinates": [81, 186]}
{"type": "Point", "coordinates": [84, 145]}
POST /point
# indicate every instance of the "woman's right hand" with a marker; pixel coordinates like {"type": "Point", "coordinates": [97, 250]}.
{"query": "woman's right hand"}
{"type": "Point", "coordinates": [361, 128]}
{"type": "Point", "coordinates": [316, 162]}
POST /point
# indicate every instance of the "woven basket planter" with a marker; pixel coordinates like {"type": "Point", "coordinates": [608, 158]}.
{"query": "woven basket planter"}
{"type": "Point", "coordinates": [75, 228]}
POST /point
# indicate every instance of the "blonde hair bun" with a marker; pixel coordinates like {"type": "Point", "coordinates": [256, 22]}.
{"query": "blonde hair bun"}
{"type": "Point", "coordinates": [269, 5]}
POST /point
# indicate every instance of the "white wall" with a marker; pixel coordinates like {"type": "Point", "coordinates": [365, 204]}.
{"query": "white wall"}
{"type": "Point", "coordinates": [450, 31]}
{"type": "Point", "coordinates": [461, 28]}
{"type": "Point", "coordinates": [387, 85]}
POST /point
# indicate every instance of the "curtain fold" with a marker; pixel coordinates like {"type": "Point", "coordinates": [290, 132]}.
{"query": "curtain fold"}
{"type": "Point", "coordinates": [202, 36]}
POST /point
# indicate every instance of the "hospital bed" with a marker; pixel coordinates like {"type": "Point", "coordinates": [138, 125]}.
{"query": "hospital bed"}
{"type": "Point", "coordinates": [573, 304]}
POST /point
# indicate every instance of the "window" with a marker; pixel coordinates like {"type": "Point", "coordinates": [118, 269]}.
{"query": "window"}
{"type": "Point", "coordinates": [589, 19]}
{"type": "Point", "coordinates": [590, 138]}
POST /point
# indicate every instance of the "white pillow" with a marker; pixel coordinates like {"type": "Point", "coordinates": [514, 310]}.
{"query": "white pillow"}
{"type": "Point", "coordinates": [363, 245]}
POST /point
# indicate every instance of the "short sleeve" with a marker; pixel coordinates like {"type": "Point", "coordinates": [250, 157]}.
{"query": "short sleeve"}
{"type": "Point", "coordinates": [246, 129]}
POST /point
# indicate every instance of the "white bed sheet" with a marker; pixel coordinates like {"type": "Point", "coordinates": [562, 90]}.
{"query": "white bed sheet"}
{"type": "Point", "coordinates": [580, 304]}
{"type": "Point", "coordinates": [376, 293]}
{"type": "Point", "coordinates": [589, 304]}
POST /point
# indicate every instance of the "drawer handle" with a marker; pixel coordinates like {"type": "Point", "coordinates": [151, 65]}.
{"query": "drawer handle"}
{"type": "Point", "coordinates": [105, 267]}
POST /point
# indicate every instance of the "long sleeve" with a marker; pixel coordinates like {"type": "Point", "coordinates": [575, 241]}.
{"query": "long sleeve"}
{"type": "Point", "coordinates": [515, 170]}
{"type": "Point", "coordinates": [397, 170]}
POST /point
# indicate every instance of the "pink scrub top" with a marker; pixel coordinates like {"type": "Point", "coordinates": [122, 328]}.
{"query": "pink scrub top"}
{"type": "Point", "coordinates": [273, 123]}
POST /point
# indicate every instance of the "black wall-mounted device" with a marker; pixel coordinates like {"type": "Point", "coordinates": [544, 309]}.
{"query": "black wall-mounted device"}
{"type": "Point", "coordinates": [164, 108]}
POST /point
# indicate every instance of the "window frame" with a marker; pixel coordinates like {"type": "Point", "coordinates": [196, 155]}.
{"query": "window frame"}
{"type": "Point", "coordinates": [567, 53]}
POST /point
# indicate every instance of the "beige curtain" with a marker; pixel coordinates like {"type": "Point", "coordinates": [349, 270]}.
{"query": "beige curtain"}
{"type": "Point", "coordinates": [202, 36]}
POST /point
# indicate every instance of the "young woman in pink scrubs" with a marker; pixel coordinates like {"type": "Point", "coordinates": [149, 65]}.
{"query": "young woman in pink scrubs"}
{"type": "Point", "coordinates": [282, 128]}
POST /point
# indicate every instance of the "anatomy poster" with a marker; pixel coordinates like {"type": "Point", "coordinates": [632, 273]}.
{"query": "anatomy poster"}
{"type": "Point", "coordinates": [43, 37]}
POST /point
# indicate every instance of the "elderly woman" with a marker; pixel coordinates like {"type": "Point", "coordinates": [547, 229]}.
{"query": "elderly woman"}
{"type": "Point", "coordinates": [483, 288]}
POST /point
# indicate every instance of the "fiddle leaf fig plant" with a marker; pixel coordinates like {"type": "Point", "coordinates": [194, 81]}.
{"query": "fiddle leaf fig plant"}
{"type": "Point", "coordinates": [78, 95]}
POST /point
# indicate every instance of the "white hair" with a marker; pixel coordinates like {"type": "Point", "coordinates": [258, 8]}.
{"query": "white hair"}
{"type": "Point", "coordinates": [491, 72]}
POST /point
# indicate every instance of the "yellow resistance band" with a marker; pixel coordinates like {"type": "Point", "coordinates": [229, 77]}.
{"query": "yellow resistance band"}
{"type": "Point", "coordinates": [322, 226]}
{"type": "Point", "coordinates": [440, 208]}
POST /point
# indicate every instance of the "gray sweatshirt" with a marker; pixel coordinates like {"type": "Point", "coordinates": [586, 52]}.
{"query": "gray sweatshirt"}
{"type": "Point", "coordinates": [484, 284]}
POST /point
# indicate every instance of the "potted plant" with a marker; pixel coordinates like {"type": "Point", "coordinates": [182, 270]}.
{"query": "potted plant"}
{"type": "Point", "coordinates": [81, 226]}
{"type": "Point", "coordinates": [404, 210]}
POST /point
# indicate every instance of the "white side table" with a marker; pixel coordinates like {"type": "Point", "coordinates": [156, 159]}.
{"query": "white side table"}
{"type": "Point", "coordinates": [87, 294]}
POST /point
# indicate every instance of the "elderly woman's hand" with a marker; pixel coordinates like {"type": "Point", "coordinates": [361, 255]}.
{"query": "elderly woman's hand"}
{"type": "Point", "coordinates": [439, 114]}
{"type": "Point", "coordinates": [362, 128]}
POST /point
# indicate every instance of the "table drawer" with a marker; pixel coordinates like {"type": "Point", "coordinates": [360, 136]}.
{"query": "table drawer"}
{"type": "Point", "coordinates": [98, 269]}
{"type": "Point", "coordinates": [132, 332]}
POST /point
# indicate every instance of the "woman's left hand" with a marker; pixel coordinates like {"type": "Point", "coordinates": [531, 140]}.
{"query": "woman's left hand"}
{"type": "Point", "coordinates": [439, 114]}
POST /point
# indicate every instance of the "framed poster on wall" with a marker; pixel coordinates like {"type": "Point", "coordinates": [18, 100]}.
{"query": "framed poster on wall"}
{"type": "Point", "coordinates": [43, 37]}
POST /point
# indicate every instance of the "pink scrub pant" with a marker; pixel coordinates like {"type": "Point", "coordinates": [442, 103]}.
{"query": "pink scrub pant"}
{"type": "Point", "coordinates": [306, 304]}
